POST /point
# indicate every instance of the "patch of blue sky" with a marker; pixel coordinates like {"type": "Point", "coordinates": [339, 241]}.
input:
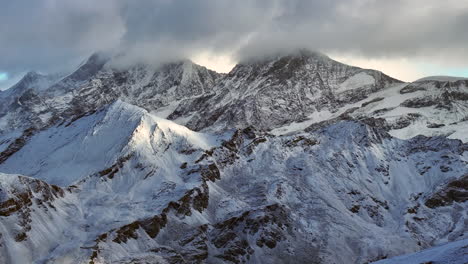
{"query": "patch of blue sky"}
{"type": "Point", "coordinates": [3, 76]}
{"type": "Point", "coordinates": [431, 69]}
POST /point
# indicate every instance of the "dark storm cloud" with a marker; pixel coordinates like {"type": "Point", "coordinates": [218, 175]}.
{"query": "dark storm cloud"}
{"type": "Point", "coordinates": [46, 34]}
{"type": "Point", "coordinates": [43, 34]}
{"type": "Point", "coordinates": [368, 27]}
{"type": "Point", "coordinates": [165, 30]}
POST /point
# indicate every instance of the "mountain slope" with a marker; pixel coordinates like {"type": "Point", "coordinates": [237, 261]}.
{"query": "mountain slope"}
{"type": "Point", "coordinates": [298, 158]}
{"type": "Point", "coordinates": [138, 176]}
{"type": "Point", "coordinates": [455, 252]}
{"type": "Point", "coordinates": [163, 192]}
{"type": "Point", "coordinates": [431, 108]}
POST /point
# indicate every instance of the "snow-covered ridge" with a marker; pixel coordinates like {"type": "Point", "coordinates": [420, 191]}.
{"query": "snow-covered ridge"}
{"type": "Point", "coordinates": [406, 110]}
{"type": "Point", "coordinates": [86, 145]}
{"type": "Point", "coordinates": [441, 78]}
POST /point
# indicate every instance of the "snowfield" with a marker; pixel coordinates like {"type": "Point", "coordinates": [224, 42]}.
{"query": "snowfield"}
{"type": "Point", "coordinates": [455, 252]}
{"type": "Point", "coordinates": [356, 81]}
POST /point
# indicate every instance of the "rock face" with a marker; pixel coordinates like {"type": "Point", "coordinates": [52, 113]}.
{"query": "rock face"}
{"type": "Point", "coordinates": [300, 159]}
{"type": "Point", "coordinates": [455, 191]}
{"type": "Point", "coordinates": [26, 203]}
{"type": "Point", "coordinates": [280, 90]}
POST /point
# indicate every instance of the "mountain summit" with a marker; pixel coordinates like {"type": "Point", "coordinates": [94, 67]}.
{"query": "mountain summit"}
{"type": "Point", "coordinates": [277, 91]}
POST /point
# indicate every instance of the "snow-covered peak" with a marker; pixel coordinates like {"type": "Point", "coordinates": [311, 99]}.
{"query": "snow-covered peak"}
{"type": "Point", "coordinates": [85, 71]}
{"type": "Point", "coordinates": [299, 53]}
{"type": "Point", "coordinates": [441, 78]}
{"type": "Point", "coordinates": [31, 80]}
{"type": "Point", "coordinates": [281, 65]}
{"type": "Point", "coordinates": [84, 146]}
{"type": "Point", "coordinates": [68, 146]}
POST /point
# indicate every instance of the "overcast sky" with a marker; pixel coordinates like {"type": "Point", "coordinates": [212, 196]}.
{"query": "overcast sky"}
{"type": "Point", "coordinates": [407, 39]}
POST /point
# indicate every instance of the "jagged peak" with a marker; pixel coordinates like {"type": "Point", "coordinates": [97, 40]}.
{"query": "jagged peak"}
{"type": "Point", "coordinates": [90, 67]}
{"type": "Point", "coordinates": [284, 63]}
{"type": "Point", "coordinates": [187, 65]}
{"type": "Point", "coordinates": [185, 69]}
{"type": "Point", "coordinates": [96, 58]}
{"type": "Point", "coordinates": [118, 109]}
{"type": "Point", "coordinates": [146, 122]}
{"type": "Point", "coordinates": [32, 75]}
{"type": "Point", "coordinates": [31, 80]}
{"type": "Point", "coordinates": [296, 53]}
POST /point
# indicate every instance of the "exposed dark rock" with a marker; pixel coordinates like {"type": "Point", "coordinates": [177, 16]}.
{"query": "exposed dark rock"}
{"type": "Point", "coordinates": [419, 102]}
{"type": "Point", "coordinates": [405, 120]}
{"type": "Point", "coordinates": [16, 145]}
{"type": "Point", "coordinates": [269, 225]}
{"type": "Point", "coordinates": [377, 99]}
{"type": "Point", "coordinates": [433, 125]}
{"type": "Point", "coordinates": [455, 191]}
{"type": "Point", "coordinates": [20, 201]}
{"type": "Point", "coordinates": [355, 208]}
{"type": "Point", "coordinates": [210, 172]}
{"type": "Point", "coordinates": [382, 111]}
{"type": "Point", "coordinates": [301, 141]}
{"type": "Point", "coordinates": [411, 88]}
{"type": "Point", "coordinates": [111, 171]}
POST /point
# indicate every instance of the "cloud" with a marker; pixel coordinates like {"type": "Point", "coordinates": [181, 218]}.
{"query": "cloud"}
{"type": "Point", "coordinates": [49, 34]}
{"type": "Point", "coordinates": [162, 30]}
{"type": "Point", "coordinates": [369, 28]}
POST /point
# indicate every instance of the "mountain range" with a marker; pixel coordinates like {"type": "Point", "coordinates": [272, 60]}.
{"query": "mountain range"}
{"type": "Point", "coordinates": [292, 158]}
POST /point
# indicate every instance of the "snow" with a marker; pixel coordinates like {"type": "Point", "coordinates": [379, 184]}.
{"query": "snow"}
{"type": "Point", "coordinates": [358, 80]}
{"type": "Point", "coordinates": [450, 253]}
{"type": "Point", "coordinates": [165, 111]}
{"type": "Point", "coordinates": [61, 155]}
{"type": "Point", "coordinates": [311, 119]}
{"type": "Point", "coordinates": [315, 180]}
{"type": "Point", "coordinates": [187, 72]}
{"type": "Point", "coordinates": [454, 121]}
